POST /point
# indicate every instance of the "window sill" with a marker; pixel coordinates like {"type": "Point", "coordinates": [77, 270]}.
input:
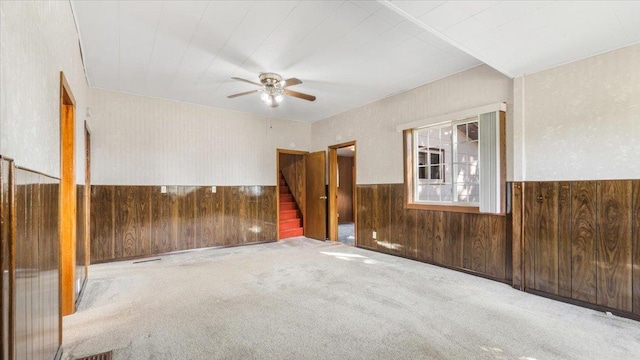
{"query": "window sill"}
{"type": "Point", "coordinates": [447, 208]}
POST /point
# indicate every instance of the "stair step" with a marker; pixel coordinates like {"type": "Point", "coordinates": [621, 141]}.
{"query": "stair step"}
{"type": "Point", "coordinates": [289, 214]}
{"type": "Point", "coordinates": [286, 198]}
{"type": "Point", "coordinates": [289, 205]}
{"type": "Point", "coordinates": [284, 190]}
{"type": "Point", "coordinates": [290, 223]}
{"type": "Point", "coordinates": [291, 233]}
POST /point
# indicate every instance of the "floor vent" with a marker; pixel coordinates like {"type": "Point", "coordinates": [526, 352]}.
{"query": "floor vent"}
{"type": "Point", "coordinates": [102, 356]}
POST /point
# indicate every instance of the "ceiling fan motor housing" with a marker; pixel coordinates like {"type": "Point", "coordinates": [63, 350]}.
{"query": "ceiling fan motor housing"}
{"type": "Point", "coordinates": [271, 79]}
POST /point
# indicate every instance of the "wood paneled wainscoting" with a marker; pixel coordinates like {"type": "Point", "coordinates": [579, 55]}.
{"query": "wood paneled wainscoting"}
{"type": "Point", "coordinates": [579, 241]}
{"type": "Point", "coordinates": [137, 221]}
{"type": "Point", "coordinates": [81, 244]}
{"type": "Point", "coordinates": [476, 243]}
{"type": "Point", "coordinates": [31, 319]}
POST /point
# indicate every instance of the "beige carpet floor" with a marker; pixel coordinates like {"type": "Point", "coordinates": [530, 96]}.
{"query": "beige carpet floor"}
{"type": "Point", "coordinates": [305, 299]}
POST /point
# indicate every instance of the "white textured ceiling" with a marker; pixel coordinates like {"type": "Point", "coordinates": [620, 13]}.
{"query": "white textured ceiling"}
{"type": "Point", "coordinates": [347, 53]}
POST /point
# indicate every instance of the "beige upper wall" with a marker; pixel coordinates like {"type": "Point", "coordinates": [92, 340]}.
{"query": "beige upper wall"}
{"type": "Point", "coordinates": [580, 121]}
{"type": "Point", "coordinates": [146, 141]}
{"type": "Point", "coordinates": [38, 40]}
{"type": "Point", "coordinates": [379, 146]}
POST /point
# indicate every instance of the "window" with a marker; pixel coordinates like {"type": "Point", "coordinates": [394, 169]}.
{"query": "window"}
{"type": "Point", "coordinates": [447, 167]}
{"type": "Point", "coordinates": [454, 162]}
{"type": "Point", "coordinates": [430, 164]}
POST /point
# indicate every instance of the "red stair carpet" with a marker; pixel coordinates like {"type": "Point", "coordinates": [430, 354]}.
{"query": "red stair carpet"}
{"type": "Point", "coordinates": [290, 216]}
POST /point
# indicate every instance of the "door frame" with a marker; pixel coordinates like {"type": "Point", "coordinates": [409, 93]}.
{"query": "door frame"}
{"type": "Point", "coordinates": [67, 200]}
{"type": "Point", "coordinates": [303, 210]}
{"type": "Point", "coordinates": [333, 190]}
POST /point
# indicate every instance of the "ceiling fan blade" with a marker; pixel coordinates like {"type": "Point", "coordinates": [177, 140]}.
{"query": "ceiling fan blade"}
{"type": "Point", "coordinates": [242, 93]}
{"type": "Point", "coordinates": [291, 82]}
{"type": "Point", "coordinates": [247, 81]}
{"type": "Point", "coordinates": [299, 95]}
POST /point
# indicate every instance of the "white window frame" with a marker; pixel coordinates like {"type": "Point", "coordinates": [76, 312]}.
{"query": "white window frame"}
{"type": "Point", "coordinates": [491, 127]}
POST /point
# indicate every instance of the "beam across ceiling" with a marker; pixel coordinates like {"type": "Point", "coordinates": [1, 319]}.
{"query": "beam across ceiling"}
{"type": "Point", "coordinates": [444, 37]}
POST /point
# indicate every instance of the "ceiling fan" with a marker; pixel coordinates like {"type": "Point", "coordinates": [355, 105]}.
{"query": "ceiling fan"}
{"type": "Point", "coordinates": [273, 88]}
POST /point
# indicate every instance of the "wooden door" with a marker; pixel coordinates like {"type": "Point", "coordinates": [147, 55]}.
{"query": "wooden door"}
{"type": "Point", "coordinates": [315, 222]}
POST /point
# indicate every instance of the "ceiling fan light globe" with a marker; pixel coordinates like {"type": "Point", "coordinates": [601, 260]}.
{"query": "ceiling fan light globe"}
{"type": "Point", "coordinates": [265, 97]}
{"type": "Point", "coordinates": [279, 98]}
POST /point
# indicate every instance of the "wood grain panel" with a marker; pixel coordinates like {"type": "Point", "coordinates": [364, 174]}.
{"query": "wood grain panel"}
{"type": "Point", "coordinates": [614, 276]}
{"type": "Point", "coordinates": [81, 241]}
{"type": "Point", "coordinates": [455, 239]}
{"type": "Point", "coordinates": [127, 222]}
{"type": "Point", "coordinates": [438, 237]}
{"type": "Point", "coordinates": [232, 232]}
{"type": "Point", "coordinates": [219, 223]}
{"type": "Point", "coordinates": [204, 217]}
{"type": "Point", "coordinates": [497, 251]}
{"type": "Point", "coordinates": [636, 246]}
{"type": "Point", "coordinates": [516, 228]}
{"type": "Point", "coordinates": [411, 231]}
{"type": "Point", "coordinates": [243, 214]}
{"type": "Point", "coordinates": [580, 241]}
{"type": "Point", "coordinates": [530, 235]}
{"type": "Point", "coordinates": [48, 238]}
{"type": "Point", "coordinates": [425, 235]}
{"type": "Point", "coordinates": [383, 217]}
{"type": "Point", "coordinates": [160, 224]}
{"type": "Point", "coordinates": [398, 236]}
{"type": "Point", "coordinates": [22, 275]}
{"type": "Point", "coordinates": [439, 234]}
{"type": "Point", "coordinates": [175, 209]}
{"type": "Point", "coordinates": [365, 217]}
{"type": "Point", "coordinates": [252, 216]}
{"type": "Point", "coordinates": [546, 240]}
{"type": "Point", "coordinates": [6, 306]}
{"type": "Point", "coordinates": [268, 213]}
{"type": "Point", "coordinates": [583, 241]}
{"type": "Point", "coordinates": [142, 197]}
{"type": "Point", "coordinates": [135, 221]}
{"type": "Point", "coordinates": [186, 235]}
{"type": "Point", "coordinates": [564, 239]}
{"type": "Point", "coordinates": [476, 234]}
{"type": "Point", "coordinates": [101, 223]}
{"type": "Point", "coordinates": [37, 317]}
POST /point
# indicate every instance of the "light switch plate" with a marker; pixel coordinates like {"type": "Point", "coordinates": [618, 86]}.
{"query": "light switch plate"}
{"type": "Point", "coordinates": [163, 189]}
{"type": "Point", "coordinates": [375, 235]}
{"type": "Point", "coordinates": [214, 189]}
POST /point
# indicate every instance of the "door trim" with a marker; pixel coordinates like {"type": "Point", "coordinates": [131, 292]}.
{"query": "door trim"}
{"type": "Point", "coordinates": [304, 210]}
{"type": "Point", "coordinates": [67, 205]}
{"type": "Point", "coordinates": [333, 190]}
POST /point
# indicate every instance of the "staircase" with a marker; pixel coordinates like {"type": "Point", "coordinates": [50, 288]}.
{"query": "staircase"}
{"type": "Point", "coordinates": [290, 216]}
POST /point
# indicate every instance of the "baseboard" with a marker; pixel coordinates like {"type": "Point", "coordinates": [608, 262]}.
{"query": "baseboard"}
{"type": "Point", "coordinates": [180, 252]}
{"type": "Point", "coordinates": [80, 294]}
{"type": "Point", "coordinates": [466, 271]}
{"type": "Point", "coordinates": [617, 312]}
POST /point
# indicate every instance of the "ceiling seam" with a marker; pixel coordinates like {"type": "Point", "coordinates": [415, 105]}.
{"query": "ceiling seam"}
{"type": "Point", "coordinates": [153, 47]}
{"type": "Point", "coordinates": [221, 49]}
{"type": "Point", "coordinates": [187, 48]}
{"type": "Point", "coordinates": [286, 52]}
{"type": "Point", "coordinates": [259, 46]}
